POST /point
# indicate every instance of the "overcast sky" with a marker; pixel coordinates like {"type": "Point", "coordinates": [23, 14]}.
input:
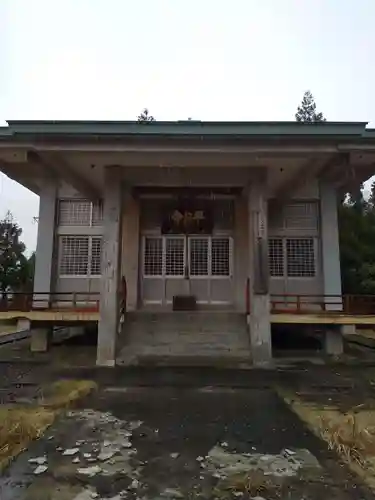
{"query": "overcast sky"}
{"type": "Point", "coordinates": [204, 59]}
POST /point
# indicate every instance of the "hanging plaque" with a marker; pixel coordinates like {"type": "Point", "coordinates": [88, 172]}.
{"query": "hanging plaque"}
{"type": "Point", "coordinates": [187, 218]}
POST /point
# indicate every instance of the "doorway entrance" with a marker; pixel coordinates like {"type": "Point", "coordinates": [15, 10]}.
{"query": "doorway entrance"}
{"type": "Point", "coordinates": [187, 265]}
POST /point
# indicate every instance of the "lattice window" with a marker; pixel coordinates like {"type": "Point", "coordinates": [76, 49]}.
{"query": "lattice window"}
{"type": "Point", "coordinates": [96, 255]}
{"type": "Point", "coordinates": [153, 257]}
{"type": "Point", "coordinates": [276, 257]}
{"type": "Point", "coordinates": [220, 257]}
{"type": "Point", "coordinates": [97, 214]}
{"type": "Point", "coordinates": [301, 216]}
{"type": "Point", "coordinates": [175, 257]}
{"type": "Point", "coordinates": [79, 256]}
{"type": "Point", "coordinates": [79, 213]}
{"type": "Point", "coordinates": [300, 257]}
{"type": "Point", "coordinates": [74, 255]}
{"type": "Point", "coordinates": [198, 256]}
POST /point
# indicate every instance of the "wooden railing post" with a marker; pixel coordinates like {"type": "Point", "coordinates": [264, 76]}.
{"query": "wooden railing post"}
{"type": "Point", "coordinates": [346, 303]}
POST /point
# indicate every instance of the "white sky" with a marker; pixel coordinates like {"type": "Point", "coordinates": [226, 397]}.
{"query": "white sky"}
{"type": "Point", "coordinates": [205, 59]}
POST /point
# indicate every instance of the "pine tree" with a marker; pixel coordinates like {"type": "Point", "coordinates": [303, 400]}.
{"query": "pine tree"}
{"type": "Point", "coordinates": [145, 116]}
{"type": "Point", "coordinates": [306, 112]}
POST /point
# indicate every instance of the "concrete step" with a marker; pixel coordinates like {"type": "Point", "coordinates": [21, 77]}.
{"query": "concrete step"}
{"type": "Point", "coordinates": [208, 335]}
{"type": "Point", "coordinates": [184, 322]}
{"type": "Point", "coordinates": [185, 317]}
{"type": "Point", "coordinates": [222, 362]}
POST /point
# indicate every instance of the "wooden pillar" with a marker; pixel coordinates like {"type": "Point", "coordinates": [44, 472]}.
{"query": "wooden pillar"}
{"type": "Point", "coordinates": [110, 280]}
{"type": "Point", "coordinates": [44, 255]}
{"type": "Point", "coordinates": [130, 248]}
{"type": "Point", "coordinates": [329, 231]}
{"type": "Point", "coordinates": [259, 317]}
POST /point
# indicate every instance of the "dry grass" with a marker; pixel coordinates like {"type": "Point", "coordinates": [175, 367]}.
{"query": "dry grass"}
{"type": "Point", "coordinates": [351, 435]}
{"type": "Point", "coordinates": [63, 393]}
{"type": "Point", "coordinates": [253, 483]}
{"type": "Point", "coordinates": [20, 425]}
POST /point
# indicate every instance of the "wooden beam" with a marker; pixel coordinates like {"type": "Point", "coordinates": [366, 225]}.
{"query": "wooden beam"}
{"type": "Point", "coordinates": [25, 181]}
{"type": "Point", "coordinates": [51, 316]}
{"type": "Point", "coordinates": [308, 171]}
{"type": "Point", "coordinates": [350, 175]}
{"type": "Point", "coordinates": [340, 168]}
{"type": "Point", "coordinates": [335, 169]}
{"type": "Point", "coordinates": [55, 163]}
{"type": "Point", "coordinates": [322, 319]}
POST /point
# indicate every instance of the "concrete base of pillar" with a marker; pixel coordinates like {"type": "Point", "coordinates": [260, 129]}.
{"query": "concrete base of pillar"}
{"type": "Point", "coordinates": [23, 324]}
{"type": "Point", "coordinates": [40, 339]}
{"type": "Point", "coordinates": [333, 342]}
{"type": "Point", "coordinates": [103, 360]}
{"type": "Point", "coordinates": [348, 329]}
{"type": "Point", "coordinates": [260, 332]}
{"type": "Point", "coordinates": [106, 349]}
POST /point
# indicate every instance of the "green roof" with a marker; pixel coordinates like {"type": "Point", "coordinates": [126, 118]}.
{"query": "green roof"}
{"type": "Point", "coordinates": [191, 128]}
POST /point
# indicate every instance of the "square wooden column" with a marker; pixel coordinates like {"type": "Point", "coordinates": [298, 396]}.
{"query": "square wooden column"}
{"type": "Point", "coordinates": [44, 255]}
{"type": "Point", "coordinates": [330, 248]}
{"type": "Point", "coordinates": [110, 268]}
{"type": "Point", "coordinates": [259, 317]}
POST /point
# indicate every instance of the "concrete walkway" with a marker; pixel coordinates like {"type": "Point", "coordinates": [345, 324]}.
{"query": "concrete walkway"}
{"type": "Point", "coordinates": [174, 443]}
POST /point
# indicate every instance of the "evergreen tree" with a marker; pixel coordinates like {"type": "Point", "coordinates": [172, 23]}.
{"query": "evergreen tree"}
{"type": "Point", "coordinates": [144, 116]}
{"type": "Point", "coordinates": [306, 111]}
{"type": "Point", "coordinates": [13, 262]}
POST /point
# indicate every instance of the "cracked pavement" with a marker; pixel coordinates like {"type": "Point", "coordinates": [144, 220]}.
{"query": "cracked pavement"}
{"type": "Point", "coordinates": [173, 443]}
